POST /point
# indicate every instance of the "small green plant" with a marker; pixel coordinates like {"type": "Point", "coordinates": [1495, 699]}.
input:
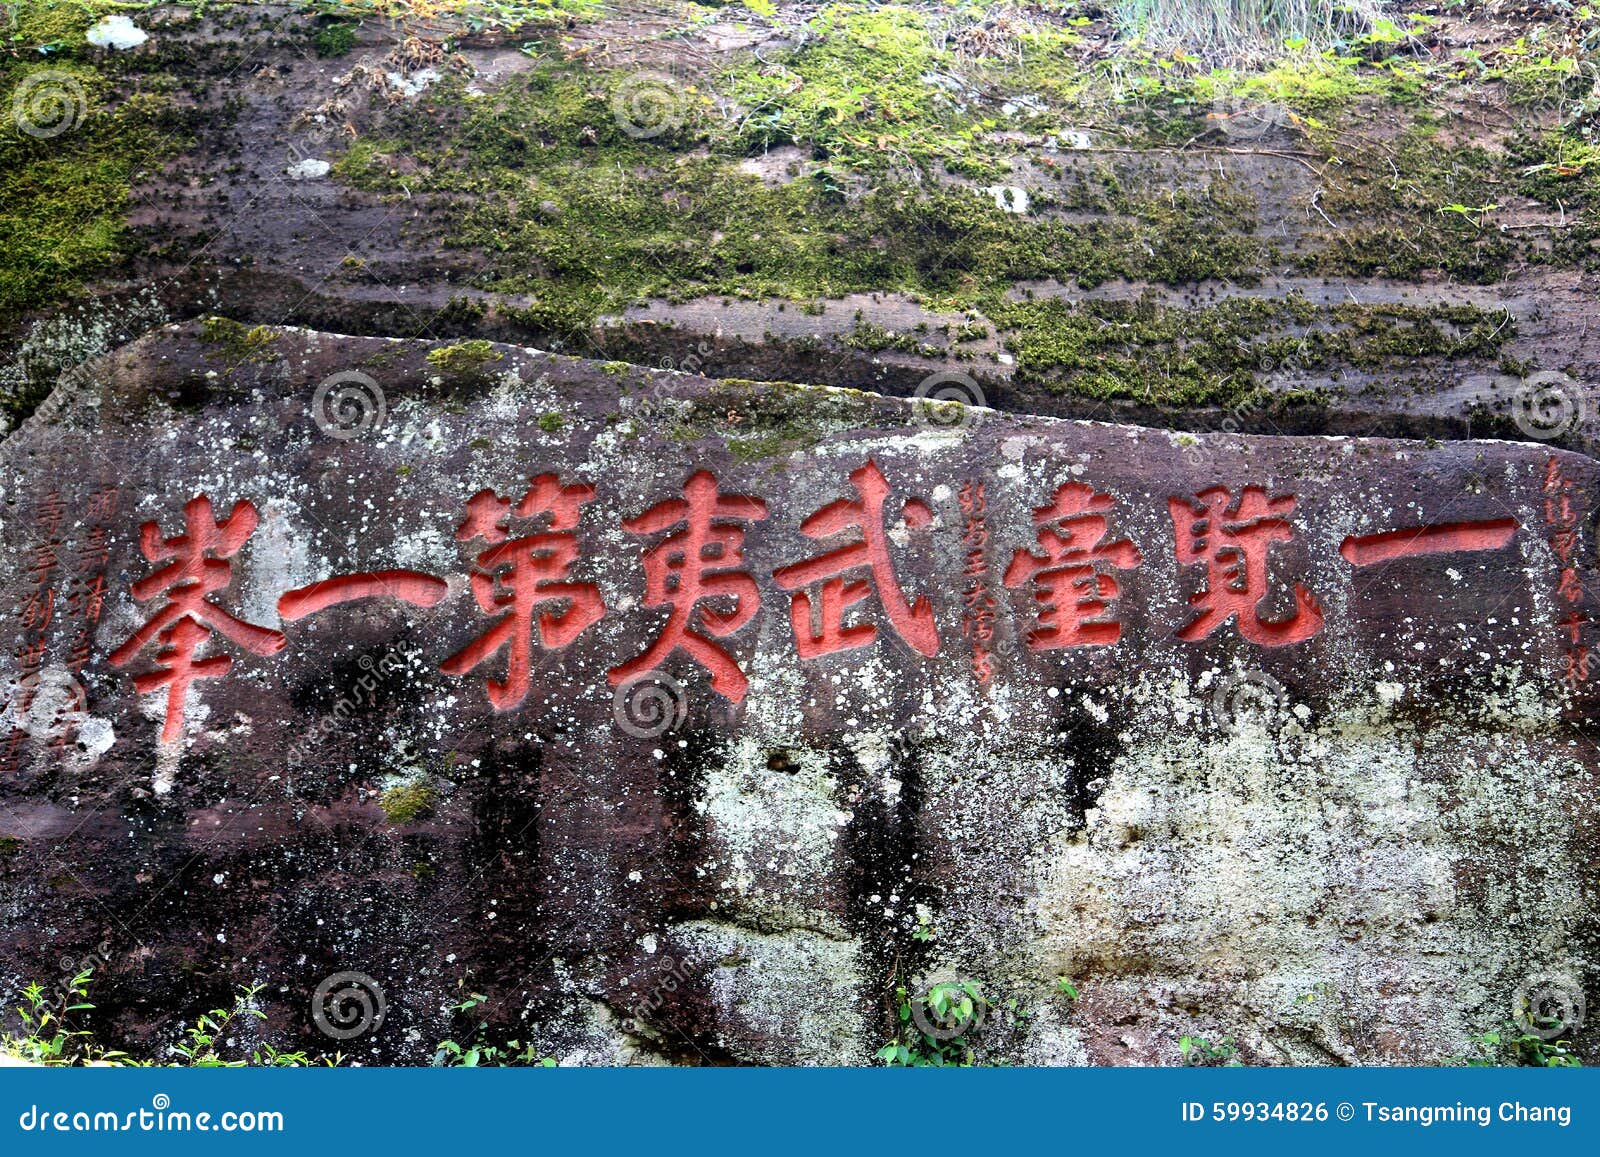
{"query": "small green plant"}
{"type": "Point", "coordinates": [1066, 988]}
{"type": "Point", "coordinates": [1472, 213]}
{"type": "Point", "coordinates": [52, 1031]}
{"type": "Point", "coordinates": [935, 1026]}
{"type": "Point", "coordinates": [202, 1039]}
{"type": "Point", "coordinates": [1198, 1051]}
{"type": "Point", "coordinates": [54, 1035]}
{"type": "Point", "coordinates": [1514, 1047]}
{"type": "Point", "coordinates": [477, 1052]}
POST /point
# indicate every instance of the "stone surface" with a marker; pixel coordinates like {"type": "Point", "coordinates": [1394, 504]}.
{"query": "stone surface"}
{"type": "Point", "coordinates": [1300, 780]}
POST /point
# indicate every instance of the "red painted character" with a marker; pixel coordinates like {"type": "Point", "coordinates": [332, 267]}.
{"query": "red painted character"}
{"type": "Point", "coordinates": [1074, 593]}
{"type": "Point", "coordinates": [819, 626]}
{"type": "Point", "coordinates": [198, 568]}
{"type": "Point", "coordinates": [1231, 538]}
{"type": "Point", "coordinates": [703, 560]}
{"type": "Point", "coordinates": [519, 576]}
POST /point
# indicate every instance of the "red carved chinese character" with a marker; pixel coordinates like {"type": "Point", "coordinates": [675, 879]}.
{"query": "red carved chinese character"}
{"type": "Point", "coordinates": [520, 575]}
{"type": "Point", "coordinates": [198, 568]}
{"type": "Point", "coordinates": [178, 668]}
{"type": "Point", "coordinates": [1438, 538]}
{"type": "Point", "coordinates": [704, 560]}
{"type": "Point", "coordinates": [913, 622]}
{"type": "Point", "coordinates": [1073, 591]}
{"type": "Point", "coordinates": [1232, 541]}
{"type": "Point", "coordinates": [420, 590]}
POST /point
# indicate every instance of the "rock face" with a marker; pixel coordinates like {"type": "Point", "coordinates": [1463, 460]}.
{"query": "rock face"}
{"type": "Point", "coordinates": [688, 719]}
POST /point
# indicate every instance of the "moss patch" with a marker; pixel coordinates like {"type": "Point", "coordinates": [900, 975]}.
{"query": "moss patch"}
{"type": "Point", "coordinates": [1223, 354]}
{"type": "Point", "coordinates": [67, 162]}
{"type": "Point", "coordinates": [468, 357]}
{"type": "Point", "coordinates": [408, 802]}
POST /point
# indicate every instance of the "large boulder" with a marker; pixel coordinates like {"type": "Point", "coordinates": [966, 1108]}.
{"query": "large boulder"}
{"type": "Point", "coordinates": [688, 720]}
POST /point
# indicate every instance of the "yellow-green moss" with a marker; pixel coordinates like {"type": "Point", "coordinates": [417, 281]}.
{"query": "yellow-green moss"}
{"type": "Point", "coordinates": [408, 802]}
{"type": "Point", "coordinates": [466, 357]}
{"type": "Point", "coordinates": [237, 343]}
{"type": "Point", "coordinates": [64, 187]}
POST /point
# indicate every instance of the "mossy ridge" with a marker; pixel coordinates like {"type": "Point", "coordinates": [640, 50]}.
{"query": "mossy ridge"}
{"type": "Point", "coordinates": [769, 420]}
{"type": "Point", "coordinates": [1222, 354]}
{"type": "Point", "coordinates": [579, 219]}
{"type": "Point", "coordinates": [237, 343]}
{"type": "Point", "coordinates": [634, 221]}
{"type": "Point", "coordinates": [584, 220]}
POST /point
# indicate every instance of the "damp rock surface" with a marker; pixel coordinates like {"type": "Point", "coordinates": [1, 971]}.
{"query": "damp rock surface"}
{"type": "Point", "coordinates": [687, 719]}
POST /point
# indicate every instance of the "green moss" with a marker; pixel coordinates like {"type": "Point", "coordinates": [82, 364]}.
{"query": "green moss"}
{"type": "Point", "coordinates": [65, 191]}
{"type": "Point", "coordinates": [408, 802]}
{"type": "Point", "coordinates": [10, 846]}
{"type": "Point", "coordinates": [1225, 354]}
{"type": "Point", "coordinates": [552, 422]}
{"type": "Point", "coordinates": [761, 420]}
{"type": "Point", "coordinates": [335, 39]}
{"type": "Point", "coordinates": [237, 343]}
{"type": "Point", "coordinates": [468, 357]}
